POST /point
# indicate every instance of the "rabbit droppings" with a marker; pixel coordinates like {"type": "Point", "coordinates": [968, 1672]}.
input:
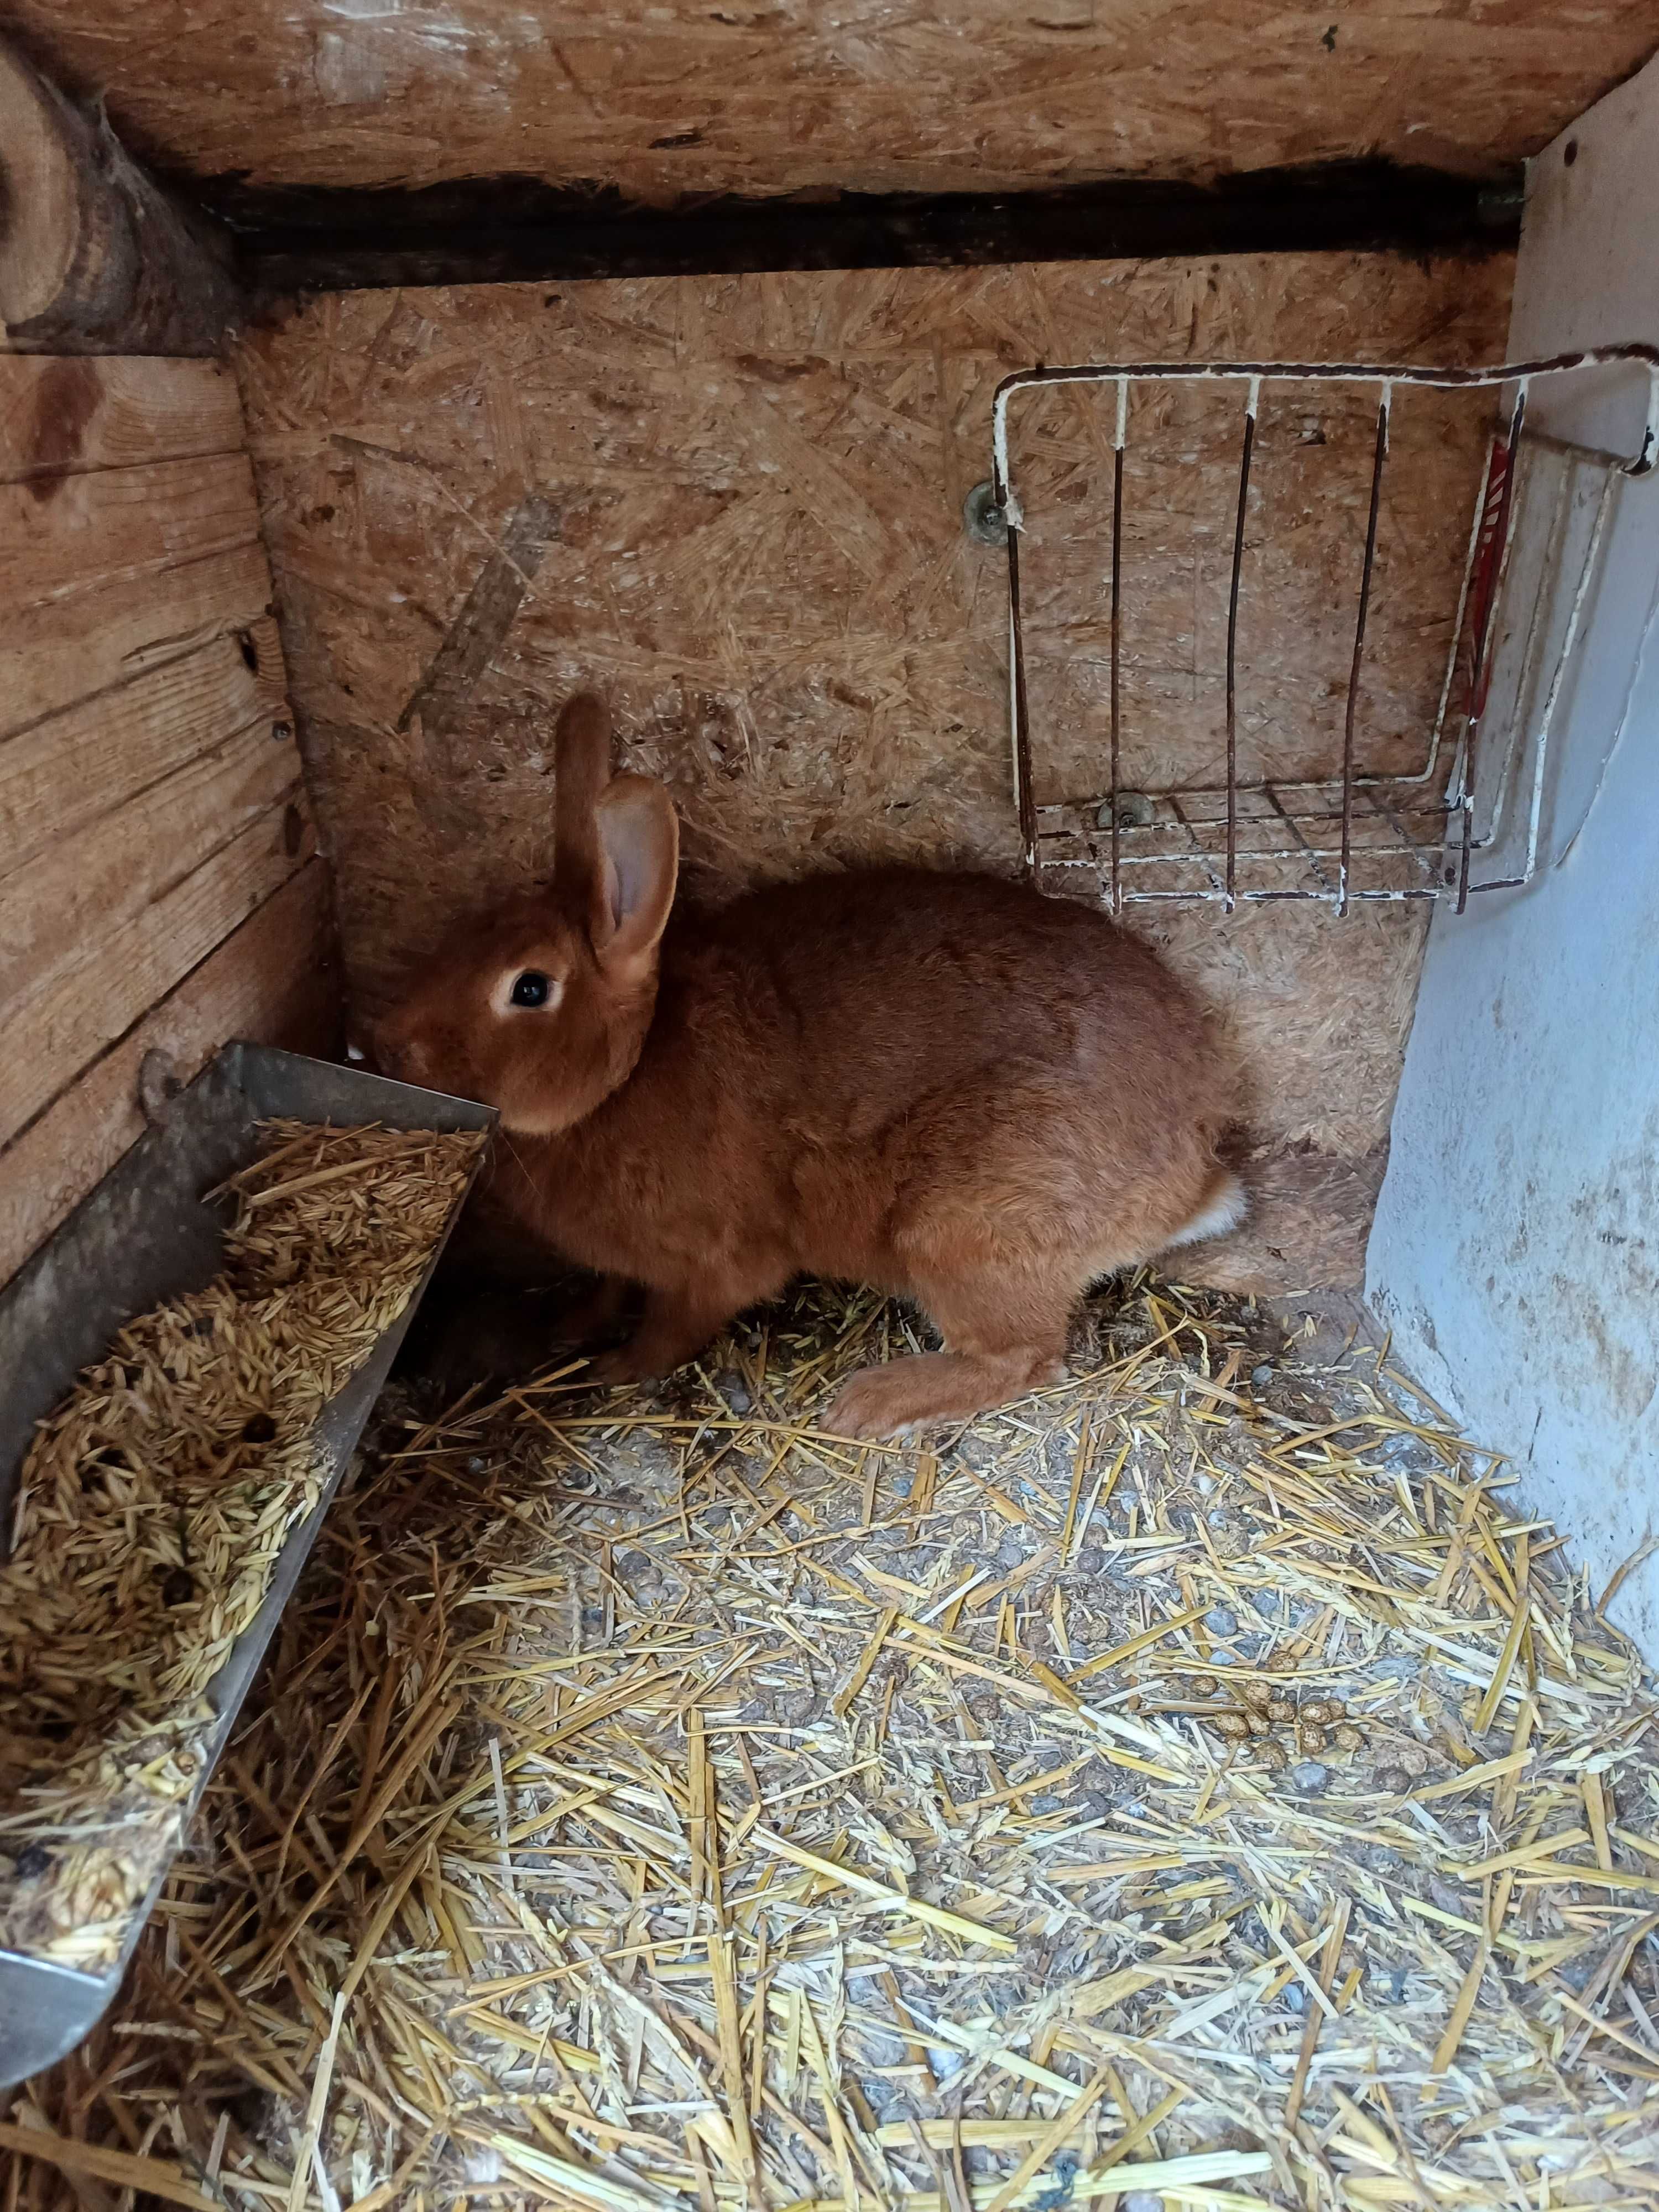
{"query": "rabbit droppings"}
{"type": "Point", "coordinates": [942, 1085]}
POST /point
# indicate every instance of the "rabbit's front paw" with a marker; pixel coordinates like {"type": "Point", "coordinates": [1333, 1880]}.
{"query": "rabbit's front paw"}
{"type": "Point", "coordinates": [624, 1364]}
{"type": "Point", "coordinates": [897, 1401]}
{"type": "Point", "coordinates": [880, 1405]}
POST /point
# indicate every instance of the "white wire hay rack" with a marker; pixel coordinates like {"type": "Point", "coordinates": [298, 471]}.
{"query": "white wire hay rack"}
{"type": "Point", "coordinates": [1360, 834]}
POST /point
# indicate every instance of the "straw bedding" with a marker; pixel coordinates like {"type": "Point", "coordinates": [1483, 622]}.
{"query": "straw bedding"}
{"type": "Point", "coordinates": [1197, 1783]}
{"type": "Point", "coordinates": [153, 1505]}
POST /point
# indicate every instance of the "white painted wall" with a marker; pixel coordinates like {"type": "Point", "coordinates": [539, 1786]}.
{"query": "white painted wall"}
{"type": "Point", "coordinates": [1516, 1252]}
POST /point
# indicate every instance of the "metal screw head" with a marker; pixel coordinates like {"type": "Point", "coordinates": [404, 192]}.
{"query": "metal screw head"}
{"type": "Point", "coordinates": [986, 523]}
{"type": "Point", "coordinates": [1135, 811]}
{"type": "Point", "coordinates": [159, 1083]}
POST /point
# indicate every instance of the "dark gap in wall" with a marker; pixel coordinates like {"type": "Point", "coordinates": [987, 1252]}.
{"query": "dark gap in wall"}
{"type": "Point", "coordinates": [515, 230]}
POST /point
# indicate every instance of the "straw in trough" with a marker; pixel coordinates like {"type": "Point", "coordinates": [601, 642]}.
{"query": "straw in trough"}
{"type": "Point", "coordinates": [153, 1505]}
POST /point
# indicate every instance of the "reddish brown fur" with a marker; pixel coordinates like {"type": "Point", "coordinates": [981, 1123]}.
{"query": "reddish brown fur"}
{"type": "Point", "coordinates": [943, 1084]}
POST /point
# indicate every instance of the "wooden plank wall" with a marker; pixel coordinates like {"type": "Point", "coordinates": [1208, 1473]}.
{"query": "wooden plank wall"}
{"type": "Point", "coordinates": [757, 547]}
{"type": "Point", "coordinates": [160, 887]}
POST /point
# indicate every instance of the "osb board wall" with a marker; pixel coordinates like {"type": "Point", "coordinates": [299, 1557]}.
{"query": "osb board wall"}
{"type": "Point", "coordinates": [753, 539]}
{"type": "Point", "coordinates": [159, 888]}
{"type": "Point", "coordinates": [680, 97]}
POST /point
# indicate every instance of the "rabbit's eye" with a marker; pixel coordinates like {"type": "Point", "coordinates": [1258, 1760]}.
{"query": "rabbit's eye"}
{"type": "Point", "coordinates": [531, 989]}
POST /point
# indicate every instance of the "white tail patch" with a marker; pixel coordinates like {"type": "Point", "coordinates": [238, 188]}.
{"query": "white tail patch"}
{"type": "Point", "coordinates": [1222, 1211]}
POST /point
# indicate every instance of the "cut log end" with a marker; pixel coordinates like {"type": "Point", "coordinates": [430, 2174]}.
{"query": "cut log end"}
{"type": "Point", "coordinates": [95, 257]}
{"type": "Point", "coordinates": [40, 210]}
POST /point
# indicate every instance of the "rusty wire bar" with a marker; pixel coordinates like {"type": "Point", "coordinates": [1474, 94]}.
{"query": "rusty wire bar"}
{"type": "Point", "coordinates": [1640, 464]}
{"type": "Point", "coordinates": [1021, 711]}
{"type": "Point", "coordinates": [1575, 616]}
{"type": "Point", "coordinates": [1315, 810]}
{"type": "Point", "coordinates": [1537, 625]}
{"type": "Point", "coordinates": [1253, 400]}
{"type": "Point", "coordinates": [1499, 559]}
{"type": "Point", "coordinates": [1368, 568]}
{"type": "Point", "coordinates": [1407, 844]}
{"type": "Point", "coordinates": [1117, 632]}
{"type": "Point", "coordinates": [1425, 773]}
{"type": "Point", "coordinates": [1179, 811]}
{"type": "Point", "coordinates": [1295, 829]}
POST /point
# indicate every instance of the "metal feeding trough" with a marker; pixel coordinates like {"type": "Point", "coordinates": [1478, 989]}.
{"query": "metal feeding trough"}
{"type": "Point", "coordinates": [145, 1236]}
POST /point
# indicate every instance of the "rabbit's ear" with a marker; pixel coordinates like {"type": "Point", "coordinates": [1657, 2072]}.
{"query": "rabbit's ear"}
{"type": "Point", "coordinates": [638, 835]}
{"type": "Point", "coordinates": [581, 760]}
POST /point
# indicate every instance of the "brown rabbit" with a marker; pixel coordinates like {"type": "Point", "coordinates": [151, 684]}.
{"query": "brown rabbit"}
{"type": "Point", "coordinates": [944, 1084]}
